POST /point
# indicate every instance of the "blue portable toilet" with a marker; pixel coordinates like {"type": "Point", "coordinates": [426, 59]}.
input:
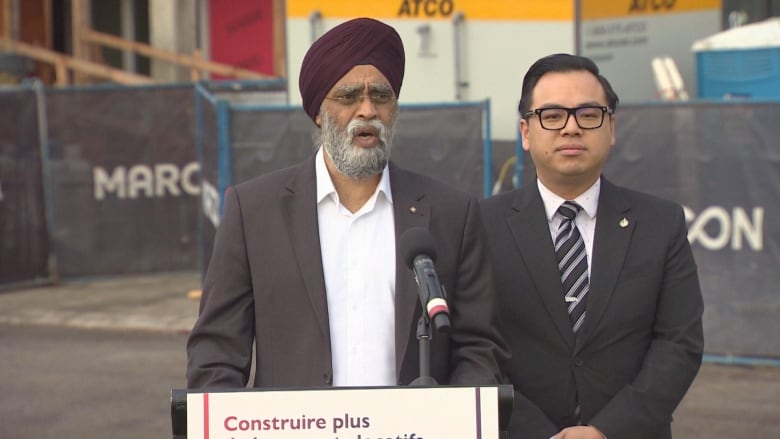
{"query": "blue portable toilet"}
{"type": "Point", "coordinates": [740, 63]}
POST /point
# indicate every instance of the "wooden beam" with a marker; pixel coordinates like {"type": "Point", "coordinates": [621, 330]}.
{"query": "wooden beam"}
{"type": "Point", "coordinates": [60, 74]}
{"type": "Point", "coordinates": [10, 18]}
{"type": "Point", "coordinates": [279, 38]}
{"type": "Point", "coordinates": [80, 21]}
{"type": "Point", "coordinates": [193, 62]}
{"type": "Point", "coordinates": [5, 18]}
{"type": "Point", "coordinates": [48, 19]}
{"type": "Point", "coordinates": [81, 66]}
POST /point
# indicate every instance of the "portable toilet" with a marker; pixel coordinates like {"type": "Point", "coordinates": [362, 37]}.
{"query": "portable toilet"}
{"type": "Point", "coordinates": [743, 62]}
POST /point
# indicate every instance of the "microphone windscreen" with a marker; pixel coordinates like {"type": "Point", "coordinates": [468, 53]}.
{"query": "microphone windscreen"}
{"type": "Point", "coordinates": [414, 242]}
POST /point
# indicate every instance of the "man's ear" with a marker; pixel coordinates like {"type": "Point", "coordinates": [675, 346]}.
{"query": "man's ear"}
{"type": "Point", "coordinates": [318, 120]}
{"type": "Point", "coordinates": [523, 126]}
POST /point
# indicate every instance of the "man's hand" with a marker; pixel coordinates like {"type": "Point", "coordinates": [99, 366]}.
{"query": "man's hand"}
{"type": "Point", "coordinates": [580, 432]}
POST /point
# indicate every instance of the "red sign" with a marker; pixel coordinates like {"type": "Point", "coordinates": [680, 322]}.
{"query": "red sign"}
{"type": "Point", "coordinates": [242, 34]}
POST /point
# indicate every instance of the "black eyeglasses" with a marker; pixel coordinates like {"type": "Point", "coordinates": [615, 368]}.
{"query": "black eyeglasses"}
{"type": "Point", "coordinates": [588, 117]}
{"type": "Point", "coordinates": [378, 98]}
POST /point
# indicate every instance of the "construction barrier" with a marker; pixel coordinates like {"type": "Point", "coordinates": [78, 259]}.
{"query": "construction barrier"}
{"type": "Point", "coordinates": [108, 180]}
{"type": "Point", "coordinates": [24, 239]}
{"type": "Point", "coordinates": [721, 161]}
{"type": "Point", "coordinates": [124, 179]}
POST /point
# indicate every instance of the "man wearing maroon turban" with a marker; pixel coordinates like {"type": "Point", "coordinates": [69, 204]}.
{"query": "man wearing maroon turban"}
{"type": "Point", "coordinates": [305, 265]}
{"type": "Point", "coordinates": [362, 41]}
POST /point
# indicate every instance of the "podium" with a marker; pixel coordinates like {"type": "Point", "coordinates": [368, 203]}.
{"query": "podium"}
{"type": "Point", "coordinates": [451, 412]}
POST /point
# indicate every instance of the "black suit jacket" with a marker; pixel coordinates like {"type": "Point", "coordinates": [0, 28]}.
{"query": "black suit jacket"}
{"type": "Point", "coordinates": [265, 283]}
{"type": "Point", "coordinates": [641, 344]}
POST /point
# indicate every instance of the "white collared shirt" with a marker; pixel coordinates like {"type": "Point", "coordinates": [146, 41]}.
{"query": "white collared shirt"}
{"type": "Point", "coordinates": [585, 219]}
{"type": "Point", "coordinates": [358, 260]}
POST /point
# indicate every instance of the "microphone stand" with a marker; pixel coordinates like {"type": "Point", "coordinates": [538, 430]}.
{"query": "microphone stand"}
{"type": "Point", "coordinates": [424, 335]}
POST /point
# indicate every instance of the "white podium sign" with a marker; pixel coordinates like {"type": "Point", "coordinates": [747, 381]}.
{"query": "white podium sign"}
{"type": "Point", "coordinates": [346, 413]}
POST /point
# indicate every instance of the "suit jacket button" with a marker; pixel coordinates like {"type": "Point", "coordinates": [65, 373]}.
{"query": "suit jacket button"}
{"type": "Point", "coordinates": [578, 362]}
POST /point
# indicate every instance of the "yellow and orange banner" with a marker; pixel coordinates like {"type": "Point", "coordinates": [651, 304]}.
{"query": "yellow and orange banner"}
{"type": "Point", "coordinates": [552, 10]}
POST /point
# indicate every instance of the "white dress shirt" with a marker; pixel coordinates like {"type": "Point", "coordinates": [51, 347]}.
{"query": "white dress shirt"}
{"type": "Point", "coordinates": [358, 260]}
{"type": "Point", "coordinates": [585, 219]}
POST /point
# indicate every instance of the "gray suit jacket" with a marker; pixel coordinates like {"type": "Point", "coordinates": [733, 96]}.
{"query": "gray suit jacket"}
{"type": "Point", "coordinates": [265, 283]}
{"type": "Point", "coordinates": [641, 343]}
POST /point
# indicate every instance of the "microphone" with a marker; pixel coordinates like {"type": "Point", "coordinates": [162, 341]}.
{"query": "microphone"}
{"type": "Point", "coordinates": [419, 252]}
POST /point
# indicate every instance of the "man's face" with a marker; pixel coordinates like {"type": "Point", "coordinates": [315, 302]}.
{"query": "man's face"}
{"type": "Point", "coordinates": [357, 119]}
{"type": "Point", "coordinates": [570, 156]}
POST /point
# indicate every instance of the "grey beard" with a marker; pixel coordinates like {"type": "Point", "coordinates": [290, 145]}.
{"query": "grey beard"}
{"type": "Point", "coordinates": [352, 161]}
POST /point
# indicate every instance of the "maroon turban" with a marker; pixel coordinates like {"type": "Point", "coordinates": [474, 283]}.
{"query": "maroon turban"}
{"type": "Point", "coordinates": [355, 42]}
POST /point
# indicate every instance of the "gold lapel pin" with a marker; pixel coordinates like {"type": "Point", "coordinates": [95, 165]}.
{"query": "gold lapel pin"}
{"type": "Point", "coordinates": [413, 209]}
{"type": "Point", "coordinates": [623, 223]}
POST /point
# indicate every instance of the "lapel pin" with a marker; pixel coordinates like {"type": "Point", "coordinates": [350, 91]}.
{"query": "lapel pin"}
{"type": "Point", "coordinates": [623, 223]}
{"type": "Point", "coordinates": [413, 209]}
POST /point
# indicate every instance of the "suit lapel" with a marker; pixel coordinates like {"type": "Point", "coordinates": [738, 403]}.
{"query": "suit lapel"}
{"type": "Point", "coordinates": [299, 206]}
{"type": "Point", "coordinates": [528, 224]}
{"type": "Point", "coordinates": [614, 228]}
{"type": "Point", "coordinates": [411, 209]}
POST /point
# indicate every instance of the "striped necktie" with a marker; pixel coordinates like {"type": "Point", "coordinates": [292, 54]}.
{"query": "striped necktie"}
{"type": "Point", "coordinates": [572, 263]}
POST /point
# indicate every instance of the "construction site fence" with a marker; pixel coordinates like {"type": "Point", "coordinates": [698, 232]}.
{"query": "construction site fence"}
{"type": "Point", "coordinates": [98, 181]}
{"type": "Point", "coordinates": [106, 180]}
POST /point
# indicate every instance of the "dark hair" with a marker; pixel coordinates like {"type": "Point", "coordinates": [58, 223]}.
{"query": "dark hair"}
{"type": "Point", "coordinates": [561, 62]}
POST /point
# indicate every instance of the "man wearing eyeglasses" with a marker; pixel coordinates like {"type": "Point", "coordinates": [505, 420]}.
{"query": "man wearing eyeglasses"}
{"type": "Point", "coordinates": [305, 264]}
{"type": "Point", "coordinates": [597, 286]}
